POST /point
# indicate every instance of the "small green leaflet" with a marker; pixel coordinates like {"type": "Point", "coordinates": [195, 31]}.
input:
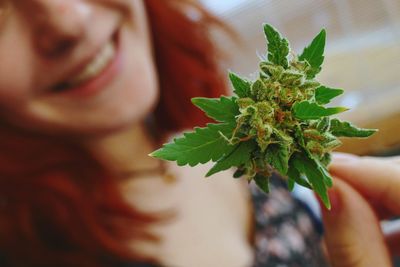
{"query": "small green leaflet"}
{"type": "Point", "coordinates": [346, 129]}
{"type": "Point", "coordinates": [314, 54]}
{"type": "Point", "coordinates": [223, 109]}
{"type": "Point", "coordinates": [241, 87]}
{"type": "Point", "coordinates": [278, 157]}
{"type": "Point", "coordinates": [262, 182]}
{"type": "Point", "coordinates": [238, 156]}
{"type": "Point", "coordinates": [295, 176]}
{"type": "Point", "coordinates": [315, 176]}
{"type": "Point", "coordinates": [306, 110]}
{"type": "Point", "coordinates": [324, 95]}
{"type": "Point", "coordinates": [278, 47]}
{"type": "Point", "coordinates": [325, 174]}
{"type": "Point", "coordinates": [200, 146]}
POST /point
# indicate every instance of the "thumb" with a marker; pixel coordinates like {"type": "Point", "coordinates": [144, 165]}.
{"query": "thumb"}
{"type": "Point", "coordinates": [352, 232]}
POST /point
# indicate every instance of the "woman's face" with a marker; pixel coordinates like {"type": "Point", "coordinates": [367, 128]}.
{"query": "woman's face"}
{"type": "Point", "coordinates": [75, 66]}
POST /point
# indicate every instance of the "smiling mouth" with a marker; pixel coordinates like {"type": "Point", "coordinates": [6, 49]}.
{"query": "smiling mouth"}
{"type": "Point", "coordinates": [95, 68]}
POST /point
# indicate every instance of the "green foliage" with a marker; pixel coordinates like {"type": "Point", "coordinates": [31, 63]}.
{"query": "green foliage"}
{"type": "Point", "coordinates": [324, 95]}
{"type": "Point", "coordinates": [346, 129]}
{"type": "Point", "coordinates": [223, 109]}
{"type": "Point", "coordinates": [239, 155]}
{"type": "Point", "coordinates": [241, 87]}
{"type": "Point", "coordinates": [262, 182]}
{"type": "Point", "coordinates": [314, 54]}
{"type": "Point", "coordinates": [315, 174]}
{"type": "Point", "coordinates": [278, 122]}
{"type": "Point", "coordinates": [278, 157]}
{"type": "Point", "coordinates": [200, 146]}
{"type": "Point", "coordinates": [278, 47]}
{"type": "Point", "coordinates": [306, 110]}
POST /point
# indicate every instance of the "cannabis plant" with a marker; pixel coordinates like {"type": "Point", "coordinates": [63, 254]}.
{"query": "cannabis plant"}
{"type": "Point", "coordinates": [276, 123]}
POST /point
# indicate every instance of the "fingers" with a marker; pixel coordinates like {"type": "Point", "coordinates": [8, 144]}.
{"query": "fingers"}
{"type": "Point", "coordinates": [352, 232]}
{"type": "Point", "coordinates": [376, 179]}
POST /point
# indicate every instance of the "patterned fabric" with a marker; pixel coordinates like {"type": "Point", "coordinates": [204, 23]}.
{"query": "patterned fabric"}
{"type": "Point", "coordinates": [285, 233]}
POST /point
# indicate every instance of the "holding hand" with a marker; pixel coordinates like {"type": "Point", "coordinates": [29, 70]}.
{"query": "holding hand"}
{"type": "Point", "coordinates": [367, 191]}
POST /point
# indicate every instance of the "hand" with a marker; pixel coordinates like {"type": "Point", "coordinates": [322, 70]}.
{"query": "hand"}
{"type": "Point", "coordinates": [367, 191]}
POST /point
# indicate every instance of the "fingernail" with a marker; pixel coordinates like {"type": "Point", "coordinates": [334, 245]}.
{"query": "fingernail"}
{"type": "Point", "coordinates": [339, 157]}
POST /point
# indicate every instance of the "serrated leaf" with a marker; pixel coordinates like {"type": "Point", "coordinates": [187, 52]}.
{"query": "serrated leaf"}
{"type": "Point", "coordinates": [262, 182]}
{"type": "Point", "coordinates": [306, 110]}
{"type": "Point", "coordinates": [278, 157]}
{"type": "Point", "coordinates": [223, 109]}
{"type": "Point", "coordinates": [346, 129]}
{"type": "Point", "coordinates": [200, 146]}
{"type": "Point", "coordinates": [325, 174]}
{"type": "Point", "coordinates": [241, 87]}
{"type": "Point", "coordinates": [314, 54]}
{"type": "Point", "coordinates": [239, 155]}
{"type": "Point", "coordinates": [324, 95]}
{"type": "Point", "coordinates": [309, 168]}
{"type": "Point", "coordinates": [278, 47]}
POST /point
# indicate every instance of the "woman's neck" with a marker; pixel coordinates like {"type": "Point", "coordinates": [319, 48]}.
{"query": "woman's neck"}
{"type": "Point", "coordinates": [125, 151]}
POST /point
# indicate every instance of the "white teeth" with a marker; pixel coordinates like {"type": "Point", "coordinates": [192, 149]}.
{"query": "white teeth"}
{"type": "Point", "coordinates": [96, 66]}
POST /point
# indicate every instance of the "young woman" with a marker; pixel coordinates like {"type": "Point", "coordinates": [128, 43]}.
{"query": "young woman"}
{"type": "Point", "coordinates": [87, 89]}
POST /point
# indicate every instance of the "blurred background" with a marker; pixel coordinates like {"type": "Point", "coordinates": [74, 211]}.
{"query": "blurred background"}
{"type": "Point", "coordinates": [362, 54]}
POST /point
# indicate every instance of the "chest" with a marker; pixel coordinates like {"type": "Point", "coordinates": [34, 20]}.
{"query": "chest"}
{"type": "Point", "coordinates": [210, 221]}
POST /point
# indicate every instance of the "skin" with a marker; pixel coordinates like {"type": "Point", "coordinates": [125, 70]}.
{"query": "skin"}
{"type": "Point", "coordinates": [365, 192]}
{"type": "Point", "coordinates": [41, 41]}
{"type": "Point", "coordinates": [33, 63]}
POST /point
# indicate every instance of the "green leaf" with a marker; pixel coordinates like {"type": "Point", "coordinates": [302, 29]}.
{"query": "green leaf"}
{"type": "Point", "coordinates": [290, 184]}
{"type": "Point", "coordinates": [314, 54]}
{"type": "Point", "coordinates": [241, 87]}
{"type": "Point", "coordinates": [200, 146]}
{"type": "Point", "coordinates": [325, 174]}
{"type": "Point", "coordinates": [324, 95]}
{"type": "Point", "coordinates": [306, 110]}
{"type": "Point", "coordinates": [262, 182]}
{"type": "Point", "coordinates": [238, 173]}
{"type": "Point", "coordinates": [294, 175]}
{"type": "Point", "coordinates": [278, 47]}
{"type": "Point", "coordinates": [346, 129]}
{"type": "Point", "coordinates": [223, 109]}
{"type": "Point", "coordinates": [239, 155]}
{"type": "Point", "coordinates": [278, 157]}
{"type": "Point", "coordinates": [314, 175]}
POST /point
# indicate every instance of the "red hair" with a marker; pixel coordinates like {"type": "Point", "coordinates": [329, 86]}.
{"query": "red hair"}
{"type": "Point", "coordinates": [61, 207]}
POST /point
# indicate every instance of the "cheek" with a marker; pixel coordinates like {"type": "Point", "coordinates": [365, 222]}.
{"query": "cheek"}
{"type": "Point", "coordinates": [16, 75]}
{"type": "Point", "coordinates": [140, 91]}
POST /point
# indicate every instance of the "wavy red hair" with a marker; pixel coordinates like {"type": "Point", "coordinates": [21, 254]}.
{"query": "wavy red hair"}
{"type": "Point", "coordinates": [61, 207]}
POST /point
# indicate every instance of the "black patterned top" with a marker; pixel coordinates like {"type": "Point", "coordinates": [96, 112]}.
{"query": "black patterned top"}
{"type": "Point", "coordinates": [286, 233]}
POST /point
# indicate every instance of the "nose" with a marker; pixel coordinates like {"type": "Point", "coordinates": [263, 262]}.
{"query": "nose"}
{"type": "Point", "coordinates": [57, 25]}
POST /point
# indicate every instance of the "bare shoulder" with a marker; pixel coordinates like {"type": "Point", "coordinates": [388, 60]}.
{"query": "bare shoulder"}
{"type": "Point", "coordinates": [221, 183]}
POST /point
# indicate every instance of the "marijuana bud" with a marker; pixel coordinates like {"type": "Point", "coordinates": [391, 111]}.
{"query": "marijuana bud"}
{"type": "Point", "coordinates": [276, 123]}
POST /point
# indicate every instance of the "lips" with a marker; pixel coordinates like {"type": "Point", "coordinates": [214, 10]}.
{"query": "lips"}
{"type": "Point", "coordinates": [93, 74]}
